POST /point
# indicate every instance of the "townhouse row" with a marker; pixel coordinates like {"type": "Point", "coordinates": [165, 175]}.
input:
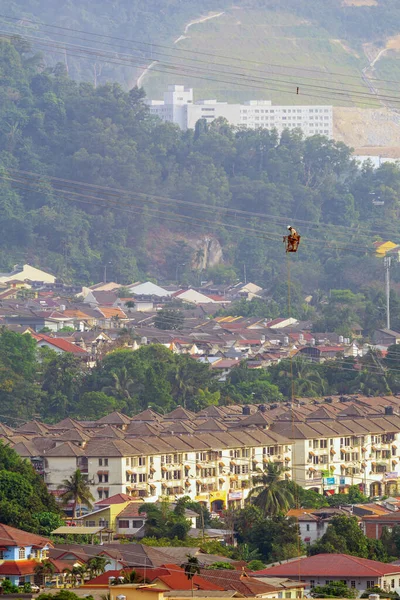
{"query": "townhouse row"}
{"type": "Point", "coordinates": [213, 458]}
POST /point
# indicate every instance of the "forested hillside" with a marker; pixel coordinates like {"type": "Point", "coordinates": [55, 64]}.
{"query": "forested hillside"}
{"type": "Point", "coordinates": [52, 126]}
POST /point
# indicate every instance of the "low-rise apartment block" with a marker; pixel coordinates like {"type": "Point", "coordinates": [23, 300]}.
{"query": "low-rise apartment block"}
{"type": "Point", "coordinates": [212, 456]}
{"type": "Point", "coordinates": [179, 107]}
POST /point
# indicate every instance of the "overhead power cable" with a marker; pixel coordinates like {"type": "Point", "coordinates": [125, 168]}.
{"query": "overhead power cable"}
{"type": "Point", "coordinates": [120, 193]}
{"type": "Point", "coordinates": [120, 205]}
{"type": "Point", "coordinates": [261, 73]}
{"type": "Point", "coordinates": [245, 81]}
{"type": "Point", "coordinates": [236, 59]}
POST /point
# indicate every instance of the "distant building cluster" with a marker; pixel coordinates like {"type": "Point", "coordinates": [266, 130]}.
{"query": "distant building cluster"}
{"type": "Point", "coordinates": [178, 107]}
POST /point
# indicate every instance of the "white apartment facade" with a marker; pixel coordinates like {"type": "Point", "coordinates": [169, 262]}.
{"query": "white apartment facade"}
{"type": "Point", "coordinates": [179, 107]}
{"type": "Point", "coordinates": [218, 474]}
{"type": "Point", "coordinates": [329, 455]}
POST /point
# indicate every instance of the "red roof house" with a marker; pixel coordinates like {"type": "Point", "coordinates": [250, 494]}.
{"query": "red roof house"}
{"type": "Point", "coordinates": [358, 573]}
{"type": "Point", "coordinates": [59, 344]}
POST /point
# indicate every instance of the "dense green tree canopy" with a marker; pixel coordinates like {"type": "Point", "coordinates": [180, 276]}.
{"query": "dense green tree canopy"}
{"type": "Point", "coordinates": [24, 500]}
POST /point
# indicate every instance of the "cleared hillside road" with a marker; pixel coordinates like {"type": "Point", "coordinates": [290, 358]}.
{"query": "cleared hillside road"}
{"type": "Point", "coordinates": [197, 21]}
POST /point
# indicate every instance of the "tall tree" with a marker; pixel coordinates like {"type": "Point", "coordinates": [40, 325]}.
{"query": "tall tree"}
{"type": "Point", "coordinates": [191, 568]}
{"type": "Point", "coordinates": [271, 492]}
{"type": "Point", "coordinates": [77, 490]}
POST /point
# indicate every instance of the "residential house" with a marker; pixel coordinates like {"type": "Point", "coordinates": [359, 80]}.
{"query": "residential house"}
{"type": "Point", "coordinates": [249, 587]}
{"type": "Point", "coordinates": [106, 511]}
{"type": "Point", "coordinates": [111, 317]}
{"type": "Point", "coordinates": [381, 248]}
{"type": "Point", "coordinates": [194, 297]}
{"type": "Point", "coordinates": [321, 353]}
{"type": "Point", "coordinates": [373, 525]}
{"type": "Point", "coordinates": [27, 272]}
{"type": "Point", "coordinates": [313, 523]}
{"type": "Point", "coordinates": [20, 553]}
{"type": "Point", "coordinates": [386, 337]}
{"type": "Point", "coordinates": [38, 320]}
{"type": "Point", "coordinates": [149, 289]}
{"type": "Point", "coordinates": [59, 345]}
{"type": "Point", "coordinates": [210, 583]}
{"type": "Point", "coordinates": [357, 573]}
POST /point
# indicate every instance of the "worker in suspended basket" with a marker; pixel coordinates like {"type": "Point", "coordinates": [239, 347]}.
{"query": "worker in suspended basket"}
{"type": "Point", "coordinates": [292, 240]}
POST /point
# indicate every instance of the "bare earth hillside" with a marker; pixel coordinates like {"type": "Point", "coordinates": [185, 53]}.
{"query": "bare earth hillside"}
{"type": "Point", "coordinates": [375, 130]}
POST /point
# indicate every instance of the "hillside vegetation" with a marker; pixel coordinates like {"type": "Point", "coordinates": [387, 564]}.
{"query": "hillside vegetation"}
{"type": "Point", "coordinates": [55, 127]}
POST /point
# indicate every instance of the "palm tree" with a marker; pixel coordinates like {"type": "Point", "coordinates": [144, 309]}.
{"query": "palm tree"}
{"type": "Point", "coordinates": [43, 570]}
{"type": "Point", "coordinates": [271, 493]}
{"type": "Point", "coordinates": [128, 577]}
{"type": "Point", "coordinates": [72, 575]}
{"type": "Point", "coordinates": [191, 568]}
{"type": "Point", "coordinates": [123, 385]}
{"type": "Point", "coordinates": [80, 571]}
{"type": "Point", "coordinates": [67, 576]}
{"type": "Point", "coordinates": [97, 565]}
{"type": "Point", "coordinates": [307, 379]}
{"type": "Point", "coordinates": [77, 489]}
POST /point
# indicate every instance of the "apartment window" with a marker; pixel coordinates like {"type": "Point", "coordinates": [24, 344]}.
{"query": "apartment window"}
{"type": "Point", "coordinates": [105, 478]}
{"type": "Point", "coordinates": [106, 494]}
{"type": "Point", "coordinates": [307, 527]}
{"type": "Point", "coordinates": [105, 462]}
{"type": "Point", "coordinates": [288, 594]}
{"type": "Point", "coordinates": [90, 523]}
{"type": "Point", "coordinates": [100, 478]}
{"type": "Point", "coordinates": [392, 584]}
{"type": "Point", "coordinates": [370, 584]}
{"type": "Point", "coordinates": [123, 524]}
{"type": "Point", "coordinates": [331, 442]}
{"type": "Point", "coordinates": [103, 523]}
{"type": "Point", "coordinates": [1, 554]}
{"type": "Point", "coordinates": [353, 584]}
{"type": "Point", "coordinates": [142, 461]}
{"type": "Point", "coordinates": [100, 462]}
{"type": "Point", "coordinates": [142, 477]}
{"type": "Point", "coordinates": [21, 553]}
{"type": "Point", "coordinates": [100, 492]}
{"type": "Point", "coordinates": [323, 443]}
{"type": "Point", "coordinates": [127, 462]}
{"type": "Point", "coordinates": [312, 584]}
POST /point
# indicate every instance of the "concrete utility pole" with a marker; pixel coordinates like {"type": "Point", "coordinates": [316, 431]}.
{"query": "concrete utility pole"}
{"type": "Point", "coordinates": [386, 261]}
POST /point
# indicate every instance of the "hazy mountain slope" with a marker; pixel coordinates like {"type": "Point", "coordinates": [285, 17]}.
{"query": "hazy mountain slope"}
{"type": "Point", "coordinates": [325, 35]}
{"type": "Point", "coordinates": [264, 40]}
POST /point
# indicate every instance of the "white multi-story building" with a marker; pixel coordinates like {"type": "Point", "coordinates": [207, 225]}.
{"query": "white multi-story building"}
{"type": "Point", "coordinates": [178, 107]}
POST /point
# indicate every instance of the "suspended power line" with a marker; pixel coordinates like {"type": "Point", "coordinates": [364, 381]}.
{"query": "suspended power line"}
{"type": "Point", "coordinates": [20, 21]}
{"type": "Point", "coordinates": [367, 98]}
